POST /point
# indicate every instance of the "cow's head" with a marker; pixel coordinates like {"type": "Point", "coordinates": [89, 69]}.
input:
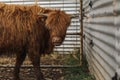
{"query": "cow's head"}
{"type": "Point", "coordinates": [57, 23]}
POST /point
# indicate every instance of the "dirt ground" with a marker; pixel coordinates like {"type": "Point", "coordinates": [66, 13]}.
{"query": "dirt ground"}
{"type": "Point", "coordinates": [27, 73]}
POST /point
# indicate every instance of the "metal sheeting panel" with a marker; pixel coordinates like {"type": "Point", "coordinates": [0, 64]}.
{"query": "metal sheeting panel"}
{"type": "Point", "coordinates": [117, 33]}
{"type": "Point", "coordinates": [102, 28]}
{"type": "Point", "coordinates": [72, 40]}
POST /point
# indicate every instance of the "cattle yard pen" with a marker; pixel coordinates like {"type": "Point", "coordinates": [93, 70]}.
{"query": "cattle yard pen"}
{"type": "Point", "coordinates": [94, 35]}
{"type": "Point", "coordinates": [73, 42]}
{"type": "Point", "coordinates": [98, 40]}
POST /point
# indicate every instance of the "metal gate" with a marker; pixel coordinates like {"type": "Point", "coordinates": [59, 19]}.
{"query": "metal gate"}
{"type": "Point", "coordinates": [72, 41]}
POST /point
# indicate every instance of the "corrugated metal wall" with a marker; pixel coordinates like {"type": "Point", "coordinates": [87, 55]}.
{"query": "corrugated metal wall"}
{"type": "Point", "coordinates": [72, 40]}
{"type": "Point", "coordinates": [117, 33]}
{"type": "Point", "coordinates": [102, 28]}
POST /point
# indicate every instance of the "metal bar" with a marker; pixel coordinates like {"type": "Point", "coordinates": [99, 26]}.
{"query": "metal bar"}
{"type": "Point", "coordinates": [68, 47]}
{"type": "Point", "coordinates": [73, 33]}
{"type": "Point", "coordinates": [41, 66]}
{"type": "Point", "coordinates": [42, 1]}
{"type": "Point", "coordinates": [81, 27]}
{"type": "Point", "coordinates": [63, 51]}
{"type": "Point", "coordinates": [70, 44]}
{"type": "Point", "coordinates": [71, 40]}
{"type": "Point", "coordinates": [46, 15]}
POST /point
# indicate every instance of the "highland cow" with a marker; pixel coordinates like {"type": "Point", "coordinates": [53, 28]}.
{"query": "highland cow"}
{"type": "Point", "coordinates": [25, 32]}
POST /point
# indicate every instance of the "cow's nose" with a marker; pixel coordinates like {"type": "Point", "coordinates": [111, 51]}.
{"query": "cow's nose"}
{"type": "Point", "coordinates": [56, 41]}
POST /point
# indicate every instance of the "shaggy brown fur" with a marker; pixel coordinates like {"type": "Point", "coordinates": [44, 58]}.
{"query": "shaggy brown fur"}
{"type": "Point", "coordinates": [23, 31]}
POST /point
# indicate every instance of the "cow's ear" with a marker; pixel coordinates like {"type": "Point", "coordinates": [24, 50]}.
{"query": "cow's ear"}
{"type": "Point", "coordinates": [45, 16]}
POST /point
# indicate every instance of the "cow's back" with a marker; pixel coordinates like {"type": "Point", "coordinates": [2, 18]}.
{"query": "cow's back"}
{"type": "Point", "coordinates": [19, 26]}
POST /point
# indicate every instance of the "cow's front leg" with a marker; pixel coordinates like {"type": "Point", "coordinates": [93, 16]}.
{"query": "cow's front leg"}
{"type": "Point", "coordinates": [35, 59]}
{"type": "Point", "coordinates": [19, 60]}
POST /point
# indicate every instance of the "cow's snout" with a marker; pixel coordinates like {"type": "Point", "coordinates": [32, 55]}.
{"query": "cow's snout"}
{"type": "Point", "coordinates": [56, 41]}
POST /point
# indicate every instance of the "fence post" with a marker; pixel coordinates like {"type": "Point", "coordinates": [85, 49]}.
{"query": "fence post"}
{"type": "Point", "coordinates": [81, 31]}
